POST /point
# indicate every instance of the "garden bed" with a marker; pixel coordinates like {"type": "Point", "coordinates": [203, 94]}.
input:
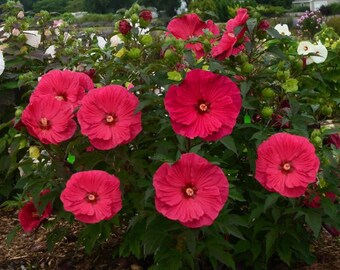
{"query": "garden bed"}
{"type": "Point", "coordinates": [29, 251]}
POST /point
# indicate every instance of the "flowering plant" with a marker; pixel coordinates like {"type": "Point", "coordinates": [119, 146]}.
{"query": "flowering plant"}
{"type": "Point", "coordinates": [310, 23]}
{"type": "Point", "coordinates": [196, 145]}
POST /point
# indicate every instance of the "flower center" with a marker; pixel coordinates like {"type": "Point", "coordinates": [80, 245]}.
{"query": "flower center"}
{"type": "Point", "coordinates": [203, 106]}
{"type": "Point", "coordinates": [61, 97]}
{"type": "Point", "coordinates": [189, 191]}
{"type": "Point", "coordinates": [91, 197]}
{"type": "Point", "coordinates": [305, 48]}
{"type": "Point", "coordinates": [286, 167]}
{"type": "Point", "coordinates": [45, 123]}
{"type": "Point", "coordinates": [282, 33]}
{"type": "Point", "coordinates": [111, 119]}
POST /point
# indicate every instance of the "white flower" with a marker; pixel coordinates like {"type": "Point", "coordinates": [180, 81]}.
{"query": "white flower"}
{"type": "Point", "coordinates": [33, 38]}
{"type": "Point", "coordinates": [21, 14]}
{"type": "Point", "coordinates": [282, 29]}
{"type": "Point", "coordinates": [4, 35]}
{"type": "Point", "coordinates": [101, 42]}
{"type": "Point", "coordinates": [51, 50]}
{"type": "Point", "coordinates": [2, 63]}
{"type": "Point", "coordinates": [305, 47]}
{"type": "Point", "coordinates": [321, 53]}
{"type": "Point", "coordinates": [115, 41]}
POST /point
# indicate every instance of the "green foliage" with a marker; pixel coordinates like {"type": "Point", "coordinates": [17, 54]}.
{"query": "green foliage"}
{"type": "Point", "coordinates": [332, 9]}
{"type": "Point", "coordinates": [334, 22]}
{"type": "Point", "coordinates": [255, 226]}
{"type": "Point", "coordinates": [51, 6]}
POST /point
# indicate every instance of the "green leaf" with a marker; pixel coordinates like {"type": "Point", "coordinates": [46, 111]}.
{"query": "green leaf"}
{"type": "Point", "coordinates": [174, 76]}
{"type": "Point", "coordinates": [314, 220]}
{"type": "Point", "coordinates": [285, 251]}
{"type": "Point", "coordinates": [222, 256]}
{"type": "Point", "coordinates": [271, 237]}
{"type": "Point", "coordinates": [229, 143]}
{"type": "Point", "coordinates": [10, 236]}
{"type": "Point", "coordinates": [271, 199]}
{"type": "Point", "coordinates": [251, 23]}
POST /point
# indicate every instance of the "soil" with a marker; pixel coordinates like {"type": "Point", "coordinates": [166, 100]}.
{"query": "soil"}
{"type": "Point", "coordinates": [29, 251]}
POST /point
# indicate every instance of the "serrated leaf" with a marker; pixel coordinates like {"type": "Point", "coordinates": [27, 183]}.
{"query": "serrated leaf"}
{"type": "Point", "coordinates": [251, 23]}
{"type": "Point", "coordinates": [10, 236]}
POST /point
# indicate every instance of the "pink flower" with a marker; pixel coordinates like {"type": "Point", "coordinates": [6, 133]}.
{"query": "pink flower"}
{"type": "Point", "coordinates": [49, 120]}
{"type": "Point", "coordinates": [29, 217]}
{"type": "Point", "coordinates": [192, 191]}
{"type": "Point", "coordinates": [92, 196]}
{"type": "Point", "coordinates": [286, 164]}
{"type": "Point", "coordinates": [233, 39]}
{"type": "Point", "coordinates": [204, 105]}
{"type": "Point", "coordinates": [225, 47]}
{"type": "Point", "coordinates": [189, 26]}
{"type": "Point", "coordinates": [107, 116]}
{"type": "Point", "coordinates": [239, 20]}
{"type": "Point", "coordinates": [66, 86]}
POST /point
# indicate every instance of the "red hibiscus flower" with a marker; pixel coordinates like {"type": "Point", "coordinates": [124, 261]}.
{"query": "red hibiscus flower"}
{"type": "Point", "coordinates": [67, 86]}
{"type": "Point", "coordinates": [92, 196]}
{"type": "Point", "coordinates": [204, 105]}
{"type": "Point", "coordinates": [286, 164]}
{"type": "Point", "coordinates": [29, 217]}
{"type": "Point", "coordinates": [189, 26]}
{"type": "Point", "coordinates": [233, 39]}
{"type": "Point", "coordinates": [192, 191]}
{"type": "Point", "coordinates": [49, 120]}
{"type": "Point", "coordinates": [239, 20]}
{"type": "Point", "coordinates": [225, 47]}
{"type": "Point", "coordinates": [107, 116]}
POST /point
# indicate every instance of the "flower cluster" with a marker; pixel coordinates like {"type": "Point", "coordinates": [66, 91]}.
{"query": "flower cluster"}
{"type": "Point", "coordinates": [309, 23]}
{"type": "Point", "coordinates": [106, 115]}
{"type": "Point", "coordinates": [191, 26]}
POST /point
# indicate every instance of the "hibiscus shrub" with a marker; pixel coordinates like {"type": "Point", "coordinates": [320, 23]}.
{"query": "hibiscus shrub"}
{"type": "Point", "coordinates": [198, 146]}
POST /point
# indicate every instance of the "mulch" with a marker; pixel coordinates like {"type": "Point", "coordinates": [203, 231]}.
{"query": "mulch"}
{"type": "Point", "coordinates": [29, 251]}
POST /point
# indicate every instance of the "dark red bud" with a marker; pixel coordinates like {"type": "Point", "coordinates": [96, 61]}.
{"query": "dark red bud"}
{"type": "Point", "coordinates": [124, 27]}
{"type": "Point", "coordinates": [146, 15]}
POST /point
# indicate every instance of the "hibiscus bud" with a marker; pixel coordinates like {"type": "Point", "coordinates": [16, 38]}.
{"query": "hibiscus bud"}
{"type": "Point", "coordinates": [267, 112]}
{"type": "Point", "coordinates": [146, 39]}
{"type": "Point", "coordinates": [18, 113]}
{"type": "Point", "coordinates": [170, 56]}
{"type": "Point", "coordinates": [335, 140]}
{"type": "Point", "coordinates": [146, 15]}
{"type": "Point", "coordinates": [124, 27]}
{"type": "Point", "coordinates": [134, 53]}
{"type": "Point", "coordinates": [268, 93]}
{"type": "Point", "coordinates": [326, 110]}
{"type": "Point", "coordinates": [23, 50]}
{"type": "Point", "coordinates": [290, 85]}
{"type": "Point", "coordinates": [91, 72]}
{"type": "Point", "coordinates": [15, 32]}
{"type": "Point", "coordinates": [134, 18]}
{"type": "Point", "coordinates": [20, 14]}
{"type": "Point", "coordinates": [247, 68]}
{"type": "Point", "coordinates": [263, 25]}
{"type": "Point", "coordinates": [317, 141]}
